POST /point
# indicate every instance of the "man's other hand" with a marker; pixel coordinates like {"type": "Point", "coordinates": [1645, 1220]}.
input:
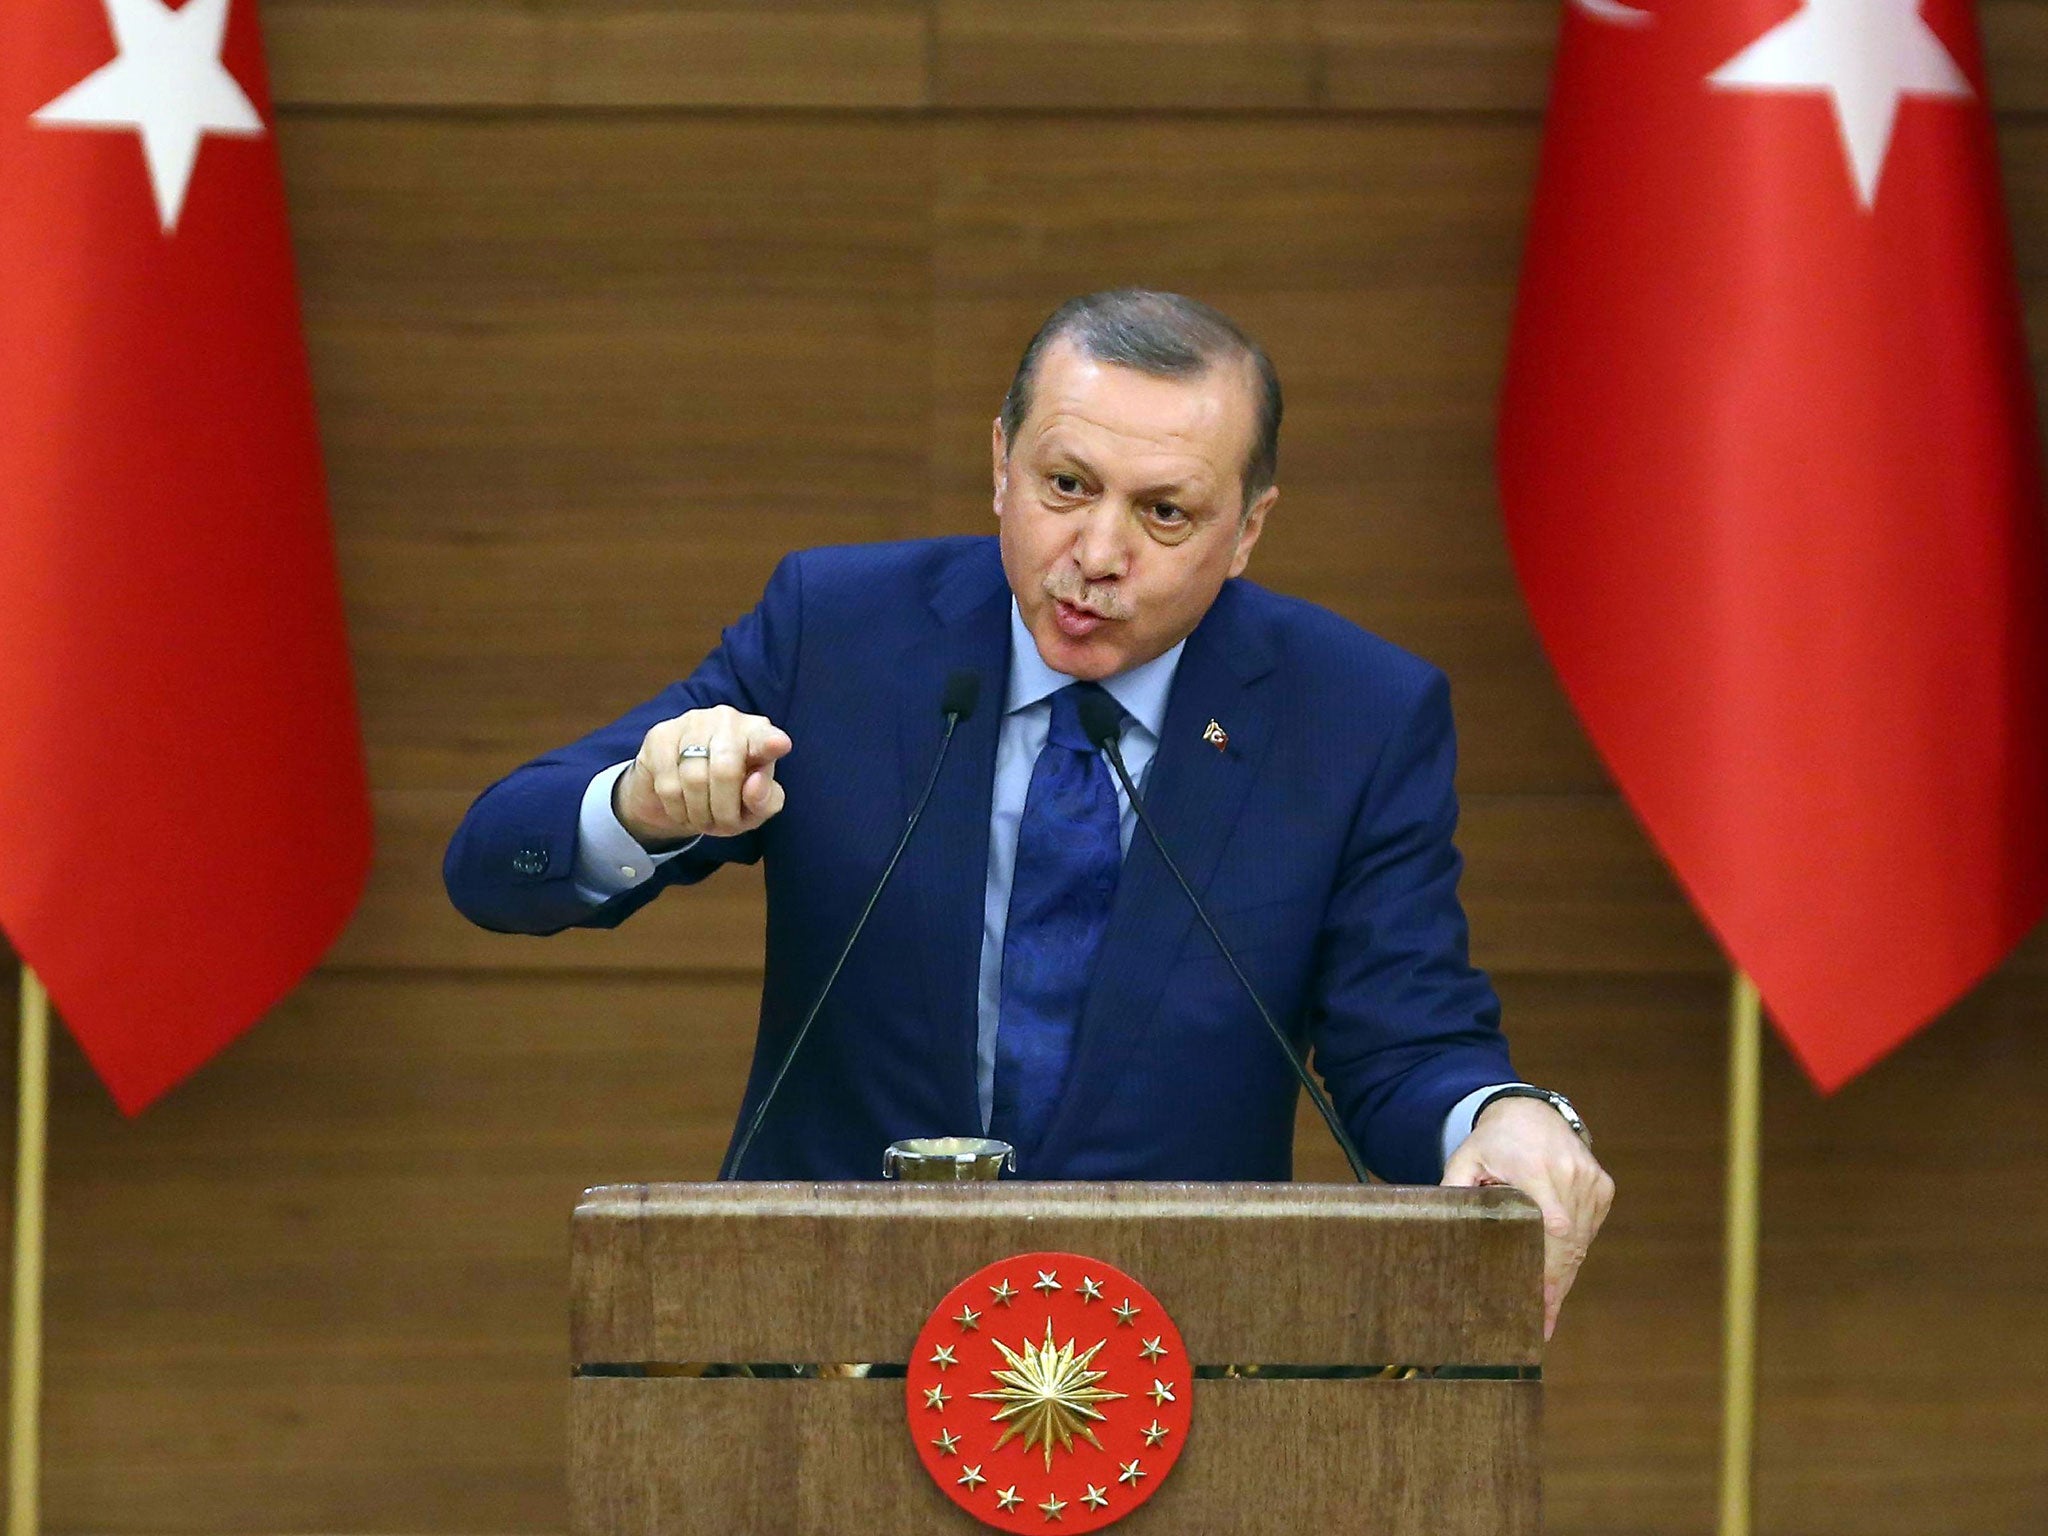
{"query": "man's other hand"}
{"type": "Point", "coordinates": [1525, 1143]}
{"type": "Point", "coordinates": [722, 791]}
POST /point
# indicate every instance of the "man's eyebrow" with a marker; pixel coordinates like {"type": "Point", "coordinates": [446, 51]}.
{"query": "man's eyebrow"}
{"type": "Point", "coordinates": [1171, 490]}
{"type": "Point", "coordinates": [1056, 447]}
{"type": "Point", "coordinates": [1053, 446]}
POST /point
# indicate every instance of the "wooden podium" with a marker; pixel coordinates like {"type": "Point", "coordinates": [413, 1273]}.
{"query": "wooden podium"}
{"type": "Point", "coordinates": [1366, 1357]}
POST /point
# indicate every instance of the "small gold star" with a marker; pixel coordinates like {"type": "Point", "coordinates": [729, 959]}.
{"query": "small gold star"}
{"type": "Point", "coordinates": [1159, 1392]}
{"type": "Point", "coordinates": [1096, 1498]}
{"type": "Point", "coordinates": [1052, 1506]}
{"type": "Point", "coordinates": [1048, 1280]}
{"type": "Point", "coordinates": [1004, 1294]}
{"type": "Point", "coordinates": [1151, 1349]}
{"type": "Point", "coordinates": [935, 1397]}
{"type": "Point", "coordinates": [1125, 1312]}
{"type": "Point", "coordinates": [942, 1357]}
{"type": "Point", "coordinates": [1131, 1472]}
{"type": "Point", "coordinates": [969, 1320]}
{"type": "Point", "coordinates": [1006, 1498]}
{"type": "Point", "coordinates": [946, 1442]}
{"type": "Point", "coordinates": [1155, 1432]}
{"type": "Point", "coordinates": [1091, 1290]}
{"type": "Point", "coordinates": [972, 1479]}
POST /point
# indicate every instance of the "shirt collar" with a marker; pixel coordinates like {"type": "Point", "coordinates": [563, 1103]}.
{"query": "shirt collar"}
{"type": "Point", "coordinates": [1142, 690]}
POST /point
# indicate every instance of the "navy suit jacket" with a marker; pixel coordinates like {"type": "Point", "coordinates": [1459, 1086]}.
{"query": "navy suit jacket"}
{"type": "Point", "coordinates": [1319, 838]}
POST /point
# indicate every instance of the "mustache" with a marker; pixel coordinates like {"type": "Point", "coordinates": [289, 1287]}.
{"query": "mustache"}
{"type": "Point", "coordinates": [1102, 599]}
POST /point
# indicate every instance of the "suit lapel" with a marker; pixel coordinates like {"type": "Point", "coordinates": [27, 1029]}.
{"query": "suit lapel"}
{"type": "Point", "coordinates": [1195, 794]}
{"type": "Point", "coordinates": [947, 862]}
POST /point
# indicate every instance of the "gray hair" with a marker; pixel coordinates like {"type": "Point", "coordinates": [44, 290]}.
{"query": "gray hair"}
{"type": "Point", "coordinates": [1164, 334]}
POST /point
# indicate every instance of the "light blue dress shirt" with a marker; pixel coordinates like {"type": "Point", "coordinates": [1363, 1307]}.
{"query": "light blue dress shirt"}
{"type": "Point", "coordinates": [609, 860]}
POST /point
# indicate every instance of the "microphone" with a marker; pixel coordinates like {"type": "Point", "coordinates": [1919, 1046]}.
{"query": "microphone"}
{"type": "Point", "coordinates": [1101, 718]}
{"type": "Point", "coordinates": [956, 702]}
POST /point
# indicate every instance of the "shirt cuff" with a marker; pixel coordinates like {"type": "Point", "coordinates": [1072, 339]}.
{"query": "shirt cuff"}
{"type": "Point", "coordinates": [1458, 1123]}
{"type": "Point", "coordinates": [609, 859]}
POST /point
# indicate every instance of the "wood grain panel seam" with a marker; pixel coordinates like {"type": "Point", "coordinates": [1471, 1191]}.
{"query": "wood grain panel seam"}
{"type": "Point", "coordinates": [526, 112]}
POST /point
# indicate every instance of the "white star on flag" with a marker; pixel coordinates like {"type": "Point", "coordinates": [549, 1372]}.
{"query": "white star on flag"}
{"type": "Point", "coordinates": [167, 83]}
{"type": "Point", "coordinates": [1866, 55]}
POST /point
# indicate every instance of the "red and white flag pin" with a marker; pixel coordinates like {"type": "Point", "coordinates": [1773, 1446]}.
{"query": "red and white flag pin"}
{"type": "Point", "coordinates": [1215, 735]}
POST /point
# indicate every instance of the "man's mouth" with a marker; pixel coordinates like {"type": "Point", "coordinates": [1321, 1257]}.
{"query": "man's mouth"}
{"type": "Point", "coordinates": [1076, 622]}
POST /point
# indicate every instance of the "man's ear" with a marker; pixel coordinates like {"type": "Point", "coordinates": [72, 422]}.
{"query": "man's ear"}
{"type": "Point", "coordinates": [1001, 449]}
{"type": "Point", "coordinates": [1250, 526]}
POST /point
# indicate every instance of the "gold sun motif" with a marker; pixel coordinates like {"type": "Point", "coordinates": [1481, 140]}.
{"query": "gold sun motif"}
{"type": "Point", "coordinates": [1049, 1395]}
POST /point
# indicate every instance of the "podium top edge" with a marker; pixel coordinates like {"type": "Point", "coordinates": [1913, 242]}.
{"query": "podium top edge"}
{"type": "Point", "coordinates": [1062, 1199]}
{"type": "Point", "coordinates": [1306, 1274]}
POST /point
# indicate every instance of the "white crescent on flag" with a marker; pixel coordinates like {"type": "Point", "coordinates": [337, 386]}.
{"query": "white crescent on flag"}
{"type": "Point", "coordinates": [1614, 11]}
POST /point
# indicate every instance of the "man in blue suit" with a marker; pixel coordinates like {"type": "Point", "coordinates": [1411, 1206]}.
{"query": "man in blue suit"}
{"type": "Point", "coordinates": [1032, 969]}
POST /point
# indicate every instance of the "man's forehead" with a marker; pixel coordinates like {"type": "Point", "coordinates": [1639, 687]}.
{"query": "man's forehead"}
{"type": "Point", "coordinates": [1082, 402]}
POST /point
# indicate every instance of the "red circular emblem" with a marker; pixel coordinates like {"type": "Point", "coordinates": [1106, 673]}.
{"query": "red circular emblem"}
{"type": "Point", "coordinates": [1049, 1390]}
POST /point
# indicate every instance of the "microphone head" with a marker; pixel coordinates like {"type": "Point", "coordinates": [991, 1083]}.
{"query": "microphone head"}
{"type": "Point", "coordinates": [963, 692]}
{"type": "Point", "coordinates": [1102, 718]}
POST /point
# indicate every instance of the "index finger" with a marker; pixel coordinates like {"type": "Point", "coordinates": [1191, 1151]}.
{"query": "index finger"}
{"type": "Point", "coordinates": [1558, 1228]}
{"type": "Point", "coordinates": [766, 742]}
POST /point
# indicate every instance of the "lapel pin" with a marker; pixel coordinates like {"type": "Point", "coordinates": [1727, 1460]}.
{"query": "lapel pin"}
{"type": "Point", "coordinates": [1215, 735]}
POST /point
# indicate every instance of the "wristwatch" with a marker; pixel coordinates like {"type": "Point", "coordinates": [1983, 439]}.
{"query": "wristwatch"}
{"type": "Point", "coordinates": [1556, 1101]}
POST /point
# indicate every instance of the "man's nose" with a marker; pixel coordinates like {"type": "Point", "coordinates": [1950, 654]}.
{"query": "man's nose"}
{"type": "Point", "coordinates": [1100, 549]}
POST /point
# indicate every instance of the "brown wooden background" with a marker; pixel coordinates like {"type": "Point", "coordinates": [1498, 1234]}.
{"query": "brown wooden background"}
{"type": "Point", "coordinates": [610, 304]}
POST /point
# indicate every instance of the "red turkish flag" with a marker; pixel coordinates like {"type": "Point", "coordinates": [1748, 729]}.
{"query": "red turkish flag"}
{"type": "Point", "coordinates": [181, 771]}
{"type": "Point", "coordinates": [1769, 461]}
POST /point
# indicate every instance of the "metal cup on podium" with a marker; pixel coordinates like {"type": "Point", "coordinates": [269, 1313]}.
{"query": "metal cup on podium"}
{"type": "Point", "coordinates": [948, 1160]}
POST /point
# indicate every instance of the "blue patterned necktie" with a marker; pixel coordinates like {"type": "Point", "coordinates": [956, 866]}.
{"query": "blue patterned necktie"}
{"type": "Point", "coordinates": [1068, 856]}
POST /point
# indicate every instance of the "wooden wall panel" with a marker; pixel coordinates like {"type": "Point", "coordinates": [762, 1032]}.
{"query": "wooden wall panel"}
{"type": "Point", "coordinates": [1120, 54]}
{"type": "Point", "coordinates": [608, 53]}
{"type": "Point", "coordinates": [543, 351]}
{"type": "Point", "coordinates": [1435, 55]}
{"type": "Point", "coordinates": [1430, 56]}
{"type": "Point", "coordinates": [322, 1287]}
{"type": "Point", "coordinates": [611, 302]}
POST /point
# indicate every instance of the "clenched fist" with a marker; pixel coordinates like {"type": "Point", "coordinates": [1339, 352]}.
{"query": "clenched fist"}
{"type": "Point", "coordinates": [722, 791]}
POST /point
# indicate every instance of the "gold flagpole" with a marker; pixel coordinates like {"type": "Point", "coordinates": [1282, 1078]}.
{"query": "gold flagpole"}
{"type": "Point", "coordinates": [25, 1386]}
{"type": "Point", "coordinates": [1738, 1323]}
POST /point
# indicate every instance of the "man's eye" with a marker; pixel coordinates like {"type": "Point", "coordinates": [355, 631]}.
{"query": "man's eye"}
{"type": "Point", "coordinates": [1167, 512]}
{"type": "Point", "coordinates": [1066, 485]}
